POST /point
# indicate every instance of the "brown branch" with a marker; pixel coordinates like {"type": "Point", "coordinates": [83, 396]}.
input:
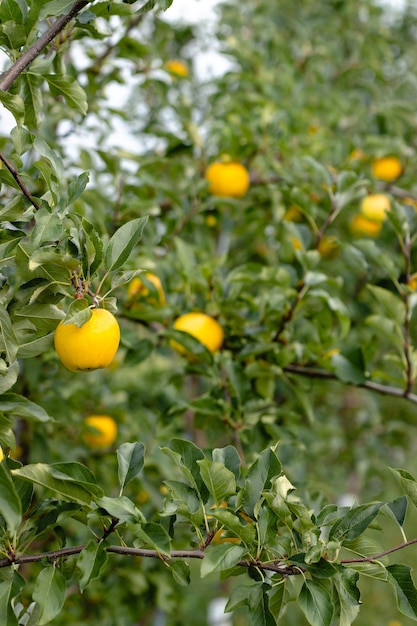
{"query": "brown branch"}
{"type": "Point", "coordinates": [13, 171]}
{"type": "Point", "coordinates": [369, 559]}
{"type": "Point", "coordinates": [311, 372]}
{"type": "Point", "coordinates": [10, 75]}
{"type": "Point", "coordinates": [277, 567]}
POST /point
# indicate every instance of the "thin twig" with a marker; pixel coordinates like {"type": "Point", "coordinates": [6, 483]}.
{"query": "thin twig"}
{"type": "Point", "coordinates": [376, 557]}
{"type": "Point", "coordinates": [9, 76]}
{"type": "Point", "coordinates": [311, 372]}
{"type": "Point", "coordinates": [13, 171]}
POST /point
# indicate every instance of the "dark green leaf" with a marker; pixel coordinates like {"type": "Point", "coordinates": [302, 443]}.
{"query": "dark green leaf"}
{"type": "Point", "coordinates": [316, 604]}
{"type": "Point", "coordinates": [9, 589]}
{"type": "Point", "coordinates": [266, 466]}
{"type": "Point", "coordinates": [354, 522]}
{"type": "Point", "coordinates": [400, 578]}
{"type": "Point", "coordinates": [10, 503]}
{"type": "Point", "coordinates": [221, 557]}
{"type": "Point", "coordinates": [256, 599]}
{"type": "Point", "coordinates": [153, 536]}
{"type": "Point", "coordinates": [91, 562]}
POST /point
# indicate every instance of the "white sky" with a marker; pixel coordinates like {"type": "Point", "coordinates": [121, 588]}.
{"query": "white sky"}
{"type": "Point", "coordinates": [207, 63]}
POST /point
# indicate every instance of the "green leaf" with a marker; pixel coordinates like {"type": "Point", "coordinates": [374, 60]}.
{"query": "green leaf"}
{"type": "Point", "coordinates": [350, 366]}
{"type": "Point", "coordinates": [91, 562]}
{"type": "Point", "coordinates": [258, 478]}
{"type": "Point", "coordinates": [256, 599]}
{"type": "Point", "coordinates": [180, 571]}
{"type": "Point", "coordinates": [55, 8]}
{"type": "Point", "coordinates": [186, 455]}
{"type": "Point", "coordinates": [220, 481]}
{"type": "Point", "coordinates": [232, 522]}
{"type": "Point", "coordinates": [32, 98]}
{"type": "Point", "coordinates": [316, 604]}
{"type": "Point", "coordinates": [10, 503]}
{"type": "Point", "coordinates": [348, 594]}
{"type": "Point", "coordinates": [49, 593]}
{"type": "Point", "coordinates": [354, 522]}
{"type": "Point", "coordinates": [153, 536]}
{"type": "Point", "coordinates": [59, 480]}
{"type": "Point", "coordinates": [221, 557]}
{"type": "Point", "coordinates": [130, 458]}
{"type": "Point", "coordinates": [229, 457]}
{"type": "Point", "coordinates": [9, 379]}
{"type": "Point", "coordinates": [19, 406]}
{"type": "Point", "coordinates": [276, 600]}
{"type": "Point", "coordinates": [8, 341]}
{"type": "Point", "coordinates": [407, 482]}
{"type": "Point", "coordinates": [121, 508]}
{"type": "Point", "coordinates": [10, 589]}
{"type": "Point", "coordinates": [399, 576]}
{"type": "Point", "coordinates": [14, 104]}
{"type": "Point", "coordinates": [399, 508]}
{"type": "Point", "coordinates": [123, 242]}
{"type": "Point", "coordinates": [48, 228]}
{"type": "Point", "coordinates": [72, 91]}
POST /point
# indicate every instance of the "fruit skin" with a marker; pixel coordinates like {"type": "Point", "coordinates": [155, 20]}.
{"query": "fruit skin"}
{"type": "Point", "coordinates": [91, 346]}
{"type": "Point", "coordinates": [106, 429]}
{"type": "Point", "coordinates": [375, 206]}
{"type": "Point", "coordinates": [201, 326]}
{"type": "Point", "coordinates": [227, 179]}
{"type": "Point", "coordinates": [361, 225]}
{"type": "Point", "coordinates": [138, 290]}
{"type": "Point", "coordinates": [177, 67]}
{"type": "Point", "coordinates": [1, 454]}
{"type": "Point", "coordinates": [386, 168]}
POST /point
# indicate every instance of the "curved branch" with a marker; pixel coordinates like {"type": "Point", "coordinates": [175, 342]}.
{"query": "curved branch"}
{"type": "Point", "coordinates": [10, 75]}
{"type": "Point", "coordinates": [13, 171]}
{"type": "Point", "coordinates": [311, 372]}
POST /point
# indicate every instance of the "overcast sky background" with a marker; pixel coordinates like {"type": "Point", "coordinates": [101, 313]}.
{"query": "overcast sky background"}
{"type": "Point", "coordinates": [207, 64]}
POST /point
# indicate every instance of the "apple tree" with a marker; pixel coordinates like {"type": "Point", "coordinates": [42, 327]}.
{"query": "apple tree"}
{"type": "Point", "coordinates": [277, 472]}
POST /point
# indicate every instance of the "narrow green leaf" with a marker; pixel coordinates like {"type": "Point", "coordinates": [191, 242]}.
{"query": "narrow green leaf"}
{"type": "Point", "coordinates": [91, 562]}
{"type": "Point", "coordinates": [220, 481]}
{"type": "Point", "coordinates": [354, 522]}
{"type": "Point", "coordinates": [49, 593]}
{"type": "Point", "coordinates": [221, 557]}
{"type": "Point", "coordinates": [7, 336]}
{"type": "Point", "coordinates": [130, 458]}
{"type": "Point", "coordinates": [123, 242]}
{"type": "Point", "coordinates": [399, 576]}
{"type": "Point", "coordinates": [10, 503]}
{"type": "Point", "coordinates": [258, 478]}
{"type": "Point", "coordinates": [276, 600]}
{"type": "Point", "coordinates": [316, 604]}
